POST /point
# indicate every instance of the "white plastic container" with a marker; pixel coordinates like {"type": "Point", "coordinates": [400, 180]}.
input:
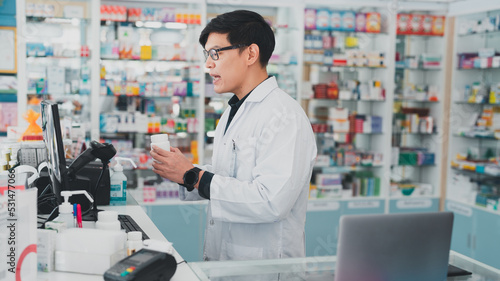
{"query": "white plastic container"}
{"type": "Point", "coordinates": [118, 181]}
{"type": "Point", "coordinates": [107, 220]}
{"type": "Point", "coordinates": [134, 242]}
{"type": "Point", "coordinates": [161, 141]}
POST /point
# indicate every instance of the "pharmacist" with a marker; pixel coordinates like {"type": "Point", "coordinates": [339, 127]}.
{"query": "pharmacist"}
{"type": "Point", "coordinates": [264, 150]}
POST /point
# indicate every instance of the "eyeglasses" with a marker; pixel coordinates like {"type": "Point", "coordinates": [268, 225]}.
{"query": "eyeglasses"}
{"type": "Point", "coordinates": [214, 53]}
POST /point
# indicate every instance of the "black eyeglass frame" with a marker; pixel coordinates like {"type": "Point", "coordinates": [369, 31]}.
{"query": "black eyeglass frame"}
{"type": "Point", "coordinates": [214, 53]}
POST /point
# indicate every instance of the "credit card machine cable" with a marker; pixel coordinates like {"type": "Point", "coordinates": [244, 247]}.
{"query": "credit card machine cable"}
{"type": "Point", "coordinates": [143, 265]}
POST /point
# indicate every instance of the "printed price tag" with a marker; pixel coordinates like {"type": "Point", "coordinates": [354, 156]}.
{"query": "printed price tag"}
{"type": "Point", "coordinates": [459, 209]}
{"type": "Point", "coordinates": [323, 206]}
{"type": "Point", "coordinates": [363, 204]}
{"type": "Point", "coordinates": [414, 204]}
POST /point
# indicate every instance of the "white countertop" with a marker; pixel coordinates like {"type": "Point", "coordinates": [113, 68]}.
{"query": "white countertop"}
{"type": "Point", "coordinates": [183, 272]}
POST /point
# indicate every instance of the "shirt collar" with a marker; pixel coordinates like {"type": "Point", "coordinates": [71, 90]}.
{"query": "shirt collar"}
{"type": "Point", "coordinates": [234, 101]}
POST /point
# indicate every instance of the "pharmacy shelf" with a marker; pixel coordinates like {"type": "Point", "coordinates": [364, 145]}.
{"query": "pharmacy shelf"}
{"type": "Point", "coordinates": [425, 36]}
{"type": "Point", "coordinates": [460, 143]}
{"type": "Point", "coordinates": [476, 103]}
{"type": "Point", "coordinates": [150, 60]}
{"type": "Point", "coordinates": [344, 100]}
{"type": "Point", "coordinates": [56, 20]}
{"type": "Point", "coordinates": [474, 173]}
{"type": "Point", "coordinates": [482, 69]}
{"type": "Point", "coordinates": [475, 206]}
{"type": "Point", "coordinates": [343, 67]}
{"type": "Point", "coordinates": [418, 68]}
{"type": "Point", "coordinates": [32, 58]}
{"type": "Point", "coordinates": [414, 100]}
{"type": "Point", "coordinates": [476, 137]}
{"type": "Point", "coordinates": [492, 33]}
{"type": "Point", "coordinates": [416, 166]}
{"type": "Point", "coordinates": [414, 134]}
{"type": "Point", "coordinates": [359, 33]}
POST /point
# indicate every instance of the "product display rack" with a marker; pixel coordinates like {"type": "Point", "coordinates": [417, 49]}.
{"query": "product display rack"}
{"type": "Point", "coordinates": [418, 114]}
{"type": "Point", "coordinates": [334, 138]}
{"type": "Point", "coordinates": [150, 63]}
{"type": "Point", "coordinates": [473, 169]}
{"type": "Point", "coordinates": [55, 57]}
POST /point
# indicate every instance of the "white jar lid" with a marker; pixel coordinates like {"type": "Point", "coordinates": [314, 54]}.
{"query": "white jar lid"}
{"type": "Point", "coordinates": [159, 138]}
{"type": "Point", "coordinates": [134, 236]}
{"type": "Point", "coordinates": [107, 216]}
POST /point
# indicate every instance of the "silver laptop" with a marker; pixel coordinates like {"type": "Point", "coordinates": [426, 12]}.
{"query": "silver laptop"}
{"type": "Point", "coordinates": [394, 247]}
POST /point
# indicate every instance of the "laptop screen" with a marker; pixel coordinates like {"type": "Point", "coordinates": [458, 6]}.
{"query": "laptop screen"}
{"type": "Point", "coordinates": [394, 247]}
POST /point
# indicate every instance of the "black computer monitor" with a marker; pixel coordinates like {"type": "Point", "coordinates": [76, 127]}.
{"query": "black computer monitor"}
{"type": "Point", "coordinates": [52, 137]}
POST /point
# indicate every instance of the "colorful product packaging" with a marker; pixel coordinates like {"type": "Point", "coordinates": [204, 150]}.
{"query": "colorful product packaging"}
{"type": "Point", "coordinates": [427, 25]}
{"type": "Point", "coordinates": [310, 19]}
{"type": "Point", "coordinates": [322, 17]}
{"type": "Point", "coordinates": [336, 20]}
{"type": "Point", "coordinates": [403, 24]}
{"type": "Point", "coordinates": [438, 25]}
{"type": "Point", "coordinates": [373, 22]}
{"type": "Point", "coordinates": [360, 22]}
{"type": "Point", "coordinates": [416, 24]}
{"type": "Point", "coordinates": [348, 21]}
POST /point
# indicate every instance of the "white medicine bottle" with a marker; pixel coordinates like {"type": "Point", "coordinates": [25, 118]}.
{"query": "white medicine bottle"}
{"type": "Point", "coordinates": [118, 184]}
{"type": "Point", "coordinates": [161, 141]}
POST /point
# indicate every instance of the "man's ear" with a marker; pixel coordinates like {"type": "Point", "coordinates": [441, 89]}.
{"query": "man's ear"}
{"type": "Point", "coordinates": [253, 54]}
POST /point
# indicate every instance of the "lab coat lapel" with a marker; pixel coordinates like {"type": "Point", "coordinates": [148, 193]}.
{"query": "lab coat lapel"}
{"type": "Point", "coordinates": [256, 96]}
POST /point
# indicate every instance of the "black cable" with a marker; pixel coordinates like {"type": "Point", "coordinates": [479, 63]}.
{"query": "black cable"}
{"type": "Point", "coordinates": [182, 262]}
{"type": "Point", "coordinates": [45, 190]}
{"type": "Point", "coordinates": [52, 216]}
{"type": "Point", "coordinates": [104, 167]}
{"type": "Point", "coordinates": [93, 207]}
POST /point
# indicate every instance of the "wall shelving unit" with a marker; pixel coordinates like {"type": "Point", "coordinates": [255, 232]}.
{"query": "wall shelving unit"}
{"type": "Point", "coordinates": [418, 112]}
{"type": "Point", "coordinates": [473, 171]}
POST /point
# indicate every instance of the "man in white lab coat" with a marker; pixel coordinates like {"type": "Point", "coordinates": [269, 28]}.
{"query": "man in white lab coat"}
{"type": "Point", "coordinates": [264, 150]}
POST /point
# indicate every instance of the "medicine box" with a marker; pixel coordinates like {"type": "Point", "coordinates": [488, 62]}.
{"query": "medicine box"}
{"type": "Point", "coordinates": [403, 23]}
{"type": "Point", "coordinates": [310, 19]}
{"type": "Point", "coordinates": [336, 20]}
{"type": "Point", "coordinates": [438, 25]}
{"type": "Point", "coordinates": [360, 22]}
{"type": "Point", "coordinates": [417, 24]}
{"type": "Point", "coordinates": [373, 22]}
{"type": "Point", "coordinates": [322, 19]}
{"type": "Point", "coordinates": [348, 21]}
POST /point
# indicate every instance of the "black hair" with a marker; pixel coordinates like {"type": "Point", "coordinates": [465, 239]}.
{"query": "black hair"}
{"type": "Point", "coordinates": [245, 28]}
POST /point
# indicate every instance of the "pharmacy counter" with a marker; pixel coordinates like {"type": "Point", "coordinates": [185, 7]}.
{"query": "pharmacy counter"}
{"type": "Point", "coordinates": [183, 272]}
{"type": "Point", "coordinates": [315, 269]}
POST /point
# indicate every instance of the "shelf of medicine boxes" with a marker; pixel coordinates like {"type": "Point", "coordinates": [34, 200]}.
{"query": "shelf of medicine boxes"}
{"type": "Point", "coordinates": [477, 103]}
{"type": "Point", "coordinates": [466, 49]}
{"type": "Point", "coordinates": [57, 58]}
{"type": "Point", "coordinates": [407, 171]}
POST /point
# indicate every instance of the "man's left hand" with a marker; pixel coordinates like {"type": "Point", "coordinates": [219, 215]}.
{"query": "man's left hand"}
{"type": "Point", "coordinates": [170, 164]}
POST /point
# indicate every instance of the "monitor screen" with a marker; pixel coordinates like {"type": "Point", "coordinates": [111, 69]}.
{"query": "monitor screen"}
{"type": "Point", "coordinates": [52, 137]}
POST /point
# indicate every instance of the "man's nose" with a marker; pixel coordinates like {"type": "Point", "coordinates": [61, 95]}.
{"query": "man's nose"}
{"type": "Point", "coordinates": [209, 63]}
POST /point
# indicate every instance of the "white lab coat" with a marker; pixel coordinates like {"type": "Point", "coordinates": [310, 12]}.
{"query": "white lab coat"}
{"type": "Point", "coordinates": [262, 167]}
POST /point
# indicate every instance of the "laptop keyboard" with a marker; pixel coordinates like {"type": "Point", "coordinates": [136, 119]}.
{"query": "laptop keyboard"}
{"type": "Point", "coordinates": [129, 224]}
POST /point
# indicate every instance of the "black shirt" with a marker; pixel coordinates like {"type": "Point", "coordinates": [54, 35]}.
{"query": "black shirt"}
{"type": "Point", "coordinates": [206, 179]}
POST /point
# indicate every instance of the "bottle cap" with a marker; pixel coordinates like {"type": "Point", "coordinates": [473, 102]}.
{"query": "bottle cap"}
{"type": "Point", "coordinates": [159, 138]}
{"type": "Point", "coordinates": [107, 216]}
{"type": "Point", "coordinates": [134, 236]}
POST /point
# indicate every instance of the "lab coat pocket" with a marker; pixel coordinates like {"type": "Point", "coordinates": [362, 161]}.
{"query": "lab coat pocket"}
{"type": "Point", "coordinates": [244, 158]}
{"type": "Point", "coordinates": [230, 251]}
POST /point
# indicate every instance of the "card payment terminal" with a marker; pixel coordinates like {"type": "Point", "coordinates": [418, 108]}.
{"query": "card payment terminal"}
{"type": "Point", "coordinates": [144, 265]}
